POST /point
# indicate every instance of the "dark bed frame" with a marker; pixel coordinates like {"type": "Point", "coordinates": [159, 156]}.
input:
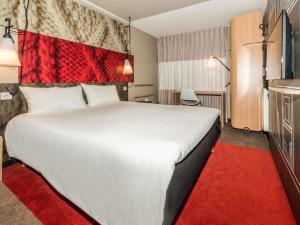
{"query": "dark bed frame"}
{"type": "Point", "coordinates": [186, 174]}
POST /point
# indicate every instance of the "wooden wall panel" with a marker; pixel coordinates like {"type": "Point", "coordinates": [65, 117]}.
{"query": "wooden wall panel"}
{"type": "Point", "coordinates": [246, 72]}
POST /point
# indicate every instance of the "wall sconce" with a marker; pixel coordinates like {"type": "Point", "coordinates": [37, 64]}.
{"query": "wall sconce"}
{"type": "Point", "coordinates": [8, 54]}
{"type": "Point", "coordinates": [127, 70]}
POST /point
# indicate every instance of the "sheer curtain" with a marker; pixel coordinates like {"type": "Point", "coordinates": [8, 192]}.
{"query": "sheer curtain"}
{"type": "Point", "coordinates": [183, 58]}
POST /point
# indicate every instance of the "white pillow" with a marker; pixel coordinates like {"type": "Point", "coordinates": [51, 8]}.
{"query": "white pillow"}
{"type": "Point", "coordinates": [100, 95]}
{"type": "Point", "coordinates": [45, 100]}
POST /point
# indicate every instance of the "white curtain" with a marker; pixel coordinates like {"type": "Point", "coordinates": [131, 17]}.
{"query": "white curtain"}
{"type": "Point", "coordinates": [183, 62]}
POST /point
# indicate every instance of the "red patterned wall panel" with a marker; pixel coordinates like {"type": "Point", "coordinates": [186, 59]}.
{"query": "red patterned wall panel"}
{"type": "Point", "coordinates": [52, 60]}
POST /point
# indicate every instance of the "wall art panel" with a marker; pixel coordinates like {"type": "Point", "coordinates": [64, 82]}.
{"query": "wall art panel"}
{"type": "Point", "coordinates": [68, 20]}
{"type": "Point", "coordinates": [52, 60]}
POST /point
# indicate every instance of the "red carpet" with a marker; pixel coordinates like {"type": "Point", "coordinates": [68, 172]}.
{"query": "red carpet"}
{"type": "Point", "coordinates": [238, 186]}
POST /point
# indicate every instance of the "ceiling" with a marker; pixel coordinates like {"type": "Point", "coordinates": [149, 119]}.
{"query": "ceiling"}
{"type": "Point", "coordinates": [166, 17]}
{"type": "Point", "coordinates": [138, 9]}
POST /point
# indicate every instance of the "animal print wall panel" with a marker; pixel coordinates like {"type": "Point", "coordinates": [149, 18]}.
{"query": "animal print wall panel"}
{"type": "Point", "coordinates": [67, 19]}
{"type": "Point", "coordinates": [53, 60]}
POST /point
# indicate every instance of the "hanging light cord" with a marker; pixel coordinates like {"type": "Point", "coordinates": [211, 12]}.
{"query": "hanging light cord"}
{"type": "Point", "coordinates": [129, 33]}
{"type": "Point", "coordinates": [26, 7]}
{"type": "Point", "coordinates": [128, 41]}
{"type": "Point", "coordinates": [128, 44]}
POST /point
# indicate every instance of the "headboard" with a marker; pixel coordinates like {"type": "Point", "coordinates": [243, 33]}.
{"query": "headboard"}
{"type": "Point", "coordinates": [18, 105]}
{"type": "Point", "coordinates": [53, 60]}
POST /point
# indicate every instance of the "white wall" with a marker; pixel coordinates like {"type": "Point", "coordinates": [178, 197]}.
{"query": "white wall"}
{"type": "Point", "coordinates": [144, 49]}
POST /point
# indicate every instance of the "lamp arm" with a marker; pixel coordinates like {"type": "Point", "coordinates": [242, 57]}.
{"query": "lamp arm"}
{"type": "Point", "coordinates": [222, 63]}
{"type": "Point", "coordinates": [22, 48]}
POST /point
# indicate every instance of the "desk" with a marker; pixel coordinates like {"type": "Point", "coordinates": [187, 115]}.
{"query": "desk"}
{"type": "Point", "coordinates": [207, 100]}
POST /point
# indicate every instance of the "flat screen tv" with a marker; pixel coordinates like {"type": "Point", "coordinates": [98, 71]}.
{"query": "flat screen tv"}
{"type": "Point", "coordinates": [280, 50]}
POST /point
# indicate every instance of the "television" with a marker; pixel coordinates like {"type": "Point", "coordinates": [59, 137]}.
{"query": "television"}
{"type": "Point", "coordinates": [280, 50]}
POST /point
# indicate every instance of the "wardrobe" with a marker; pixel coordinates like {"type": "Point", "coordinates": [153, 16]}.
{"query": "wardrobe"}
{"type": "Point", "coordinates": [247, 72]}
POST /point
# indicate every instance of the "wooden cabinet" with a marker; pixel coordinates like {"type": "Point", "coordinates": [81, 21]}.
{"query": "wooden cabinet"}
{"type": "Point", "coordinates": [285, 141]}
{"type": "Point", "coordinates": [282, 124]}
{"type": "Point", "coordinates": [278, 118]}
{"type": "Point", "coordinates": [288, 129]}
{"type": "Point", "coordinates": [284, 135]}
{"type": "Point", "coordinates": [246, 71]}
{"type": "Point", "coordinates": [296, 137]}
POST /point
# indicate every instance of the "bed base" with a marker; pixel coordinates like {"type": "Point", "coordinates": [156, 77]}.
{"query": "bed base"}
{"type": "Point", "coordinates": [187, 172]}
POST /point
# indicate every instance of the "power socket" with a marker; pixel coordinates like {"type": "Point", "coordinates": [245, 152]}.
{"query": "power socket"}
{"type": "Point", "coordinates": [5, 96]}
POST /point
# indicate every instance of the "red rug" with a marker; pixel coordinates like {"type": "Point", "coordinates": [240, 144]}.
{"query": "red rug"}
{"type": "Point", "coordinates": [238, 186]}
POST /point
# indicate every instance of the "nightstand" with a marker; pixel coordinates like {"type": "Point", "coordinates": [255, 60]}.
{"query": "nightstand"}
{"type": "Point", "coordinates": [1, 156]}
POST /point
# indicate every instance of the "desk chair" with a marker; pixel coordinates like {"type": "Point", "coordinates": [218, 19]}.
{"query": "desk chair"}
{"type": "Point", "coordinates": [188, 97]}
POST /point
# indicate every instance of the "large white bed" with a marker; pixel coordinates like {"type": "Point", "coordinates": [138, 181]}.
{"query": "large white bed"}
{"type": "Point", "coordinates": [114, 161]}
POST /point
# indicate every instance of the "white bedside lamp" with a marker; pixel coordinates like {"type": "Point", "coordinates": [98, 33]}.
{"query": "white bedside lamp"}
{"type": "Point", "coordinates": [8, 54]}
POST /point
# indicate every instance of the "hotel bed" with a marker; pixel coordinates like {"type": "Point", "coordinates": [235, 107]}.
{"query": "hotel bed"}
{"type": "Point", "coordinates": [122, 163]}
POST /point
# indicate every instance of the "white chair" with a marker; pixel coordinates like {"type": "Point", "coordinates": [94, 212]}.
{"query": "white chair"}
{"type": "Point", "coordinates": [188, 97]}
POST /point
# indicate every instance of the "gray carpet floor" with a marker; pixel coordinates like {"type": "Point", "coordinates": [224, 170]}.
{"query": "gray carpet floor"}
{"type": "Point", "coordinates": [238, 137]}
{"type": "Point", "coordinates": [13, 211]}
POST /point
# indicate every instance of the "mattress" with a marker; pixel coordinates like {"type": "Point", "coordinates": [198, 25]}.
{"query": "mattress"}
{"type": "Point", "coordinates": [116, 161]}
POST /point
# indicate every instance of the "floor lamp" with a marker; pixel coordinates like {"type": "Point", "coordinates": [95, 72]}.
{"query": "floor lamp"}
{"type": "Point", "coordinates": [212, 64]}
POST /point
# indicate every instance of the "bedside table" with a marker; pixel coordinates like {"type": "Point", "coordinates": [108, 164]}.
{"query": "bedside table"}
{"type": "Point", "coordinates": [1, 156]}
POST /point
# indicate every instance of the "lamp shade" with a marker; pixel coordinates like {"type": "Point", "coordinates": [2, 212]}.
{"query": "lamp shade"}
{"type": "Point", "coordinates": [211, 62]}
{"type": "Point", "coordinates": [127, 68]}
{"type": "Point", "coordinates": [8, 54]}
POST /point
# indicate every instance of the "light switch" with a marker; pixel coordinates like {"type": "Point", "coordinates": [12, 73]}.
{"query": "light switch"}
{"type": "Point", "coordinates": [5, 96]}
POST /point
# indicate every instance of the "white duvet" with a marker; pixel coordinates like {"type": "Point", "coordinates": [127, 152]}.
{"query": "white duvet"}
{"type": "Point", "coordinates": [116, 161]}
